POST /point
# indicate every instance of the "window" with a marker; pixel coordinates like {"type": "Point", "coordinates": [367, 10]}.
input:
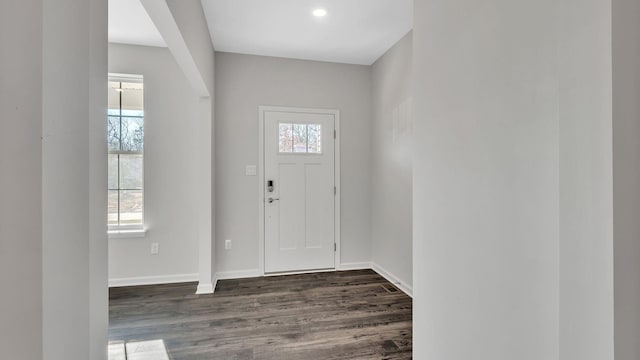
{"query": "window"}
{"type": "Point", "coordinates": [300, 138]}
{"type": "Point", "coordinates": [125, 139]}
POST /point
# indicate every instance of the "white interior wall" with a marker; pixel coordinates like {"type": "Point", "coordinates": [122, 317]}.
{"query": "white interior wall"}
{"type": "Point", "coordinates": [21, 179]}
{"type": "Point", "coordinates": [244, 82]}
{"type": "Point", "coordinates": [53, 243]}
{"type": "Point", "coordinates": [73, 176]}
{"type": "Point", "coordinates": [98, 243]}
{"type": "Point", "coordinates": [512, 180]}
{"type": "Point", "coordinates": [65, 142]}
{"type": "Point", "coordinates": [626, 176]}
{"type": "Point", "coordinates": [485, 180]}
{"type": "Point", "coordinates": [170, 172]}
{"type": "Point", "coordinates": [586, 224]}
{"type": "Point", "coordinates": [391, 169]}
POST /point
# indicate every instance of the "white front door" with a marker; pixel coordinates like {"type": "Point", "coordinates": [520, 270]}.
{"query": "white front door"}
{"type": "Point", "coordinates": [299, 191]}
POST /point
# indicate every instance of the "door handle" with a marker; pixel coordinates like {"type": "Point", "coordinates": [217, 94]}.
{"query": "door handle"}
{"type": "Point", "coordinates": [271, 200]}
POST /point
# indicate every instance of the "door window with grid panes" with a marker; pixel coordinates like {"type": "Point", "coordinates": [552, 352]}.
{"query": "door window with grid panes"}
{"type": "Point", "coordinates": [125, 138]}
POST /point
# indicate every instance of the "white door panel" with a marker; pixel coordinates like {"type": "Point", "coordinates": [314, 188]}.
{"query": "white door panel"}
{"type": "Point", "coordinates": [299, 211]}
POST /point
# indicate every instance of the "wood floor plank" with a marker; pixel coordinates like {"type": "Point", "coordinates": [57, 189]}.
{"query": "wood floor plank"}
{"type": "Point", "coordinates": [333, 315]}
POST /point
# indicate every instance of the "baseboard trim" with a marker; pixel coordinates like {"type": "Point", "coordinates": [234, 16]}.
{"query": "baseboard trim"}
{"type": "Point", "coordinates": [205, 288]}
{"type": "Point", "coordinates": [215, 283]}
{"type": "Point", "coordinates": [354, 266]}
{"type": "Point", "coordinates": [240, 274]}
{"type": "Point", "coordinates": [392, 279]}
{"type": "Point", "coordinates": [153, 280]}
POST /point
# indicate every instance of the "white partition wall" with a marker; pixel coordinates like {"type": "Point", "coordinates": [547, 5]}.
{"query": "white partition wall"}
{"type": "Point", "coordinates": [391, 165]}
{"type": "Point", "coordinates": [513, 180]}
{"type": "Point", "coordinates": [20, 189]}
{"type": "Point", "coordinates": [53, 214]}
{"type": "Point", "coordinates": [586, 199]}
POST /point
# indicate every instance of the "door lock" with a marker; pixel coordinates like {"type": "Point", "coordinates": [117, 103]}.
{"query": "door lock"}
{"type": "Point", "coordinates": [271, 200]}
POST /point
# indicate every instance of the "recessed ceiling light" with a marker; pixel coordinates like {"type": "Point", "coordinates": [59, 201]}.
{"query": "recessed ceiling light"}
{"type": "Point", "coordinates": [320, 12]}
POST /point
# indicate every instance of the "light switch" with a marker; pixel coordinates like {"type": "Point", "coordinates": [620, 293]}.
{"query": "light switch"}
{"type": "Point", "coordinates": [251, 170]}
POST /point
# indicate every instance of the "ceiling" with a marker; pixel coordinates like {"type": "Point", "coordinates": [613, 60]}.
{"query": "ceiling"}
{"type": "Point", "coordinates": [353, 31]}
{"type": "Point", "coordinates": [130, 24]}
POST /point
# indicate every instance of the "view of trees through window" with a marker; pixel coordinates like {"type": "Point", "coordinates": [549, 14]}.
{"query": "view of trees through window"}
{"type": "Point", "coordinates": [125, 139]}
{"type": "Point", "coordinates": [300, 138]}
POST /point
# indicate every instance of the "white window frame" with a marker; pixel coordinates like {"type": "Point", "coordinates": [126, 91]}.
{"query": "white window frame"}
{"type": "Point", "coordinates": [134, 230]}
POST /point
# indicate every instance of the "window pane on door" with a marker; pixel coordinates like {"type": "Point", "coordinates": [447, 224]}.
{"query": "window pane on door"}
{"type": "Point", "coordinates": [285, 135]}
{"type": "Point", "coordinates": [315, 138]}
{"type": "Point", "coordinates": [299, 138]}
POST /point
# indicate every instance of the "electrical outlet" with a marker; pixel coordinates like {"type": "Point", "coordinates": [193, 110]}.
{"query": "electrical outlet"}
{"type": "Point", "coordinates": [155, 248]}
{"type": "Point", "coordinates": [227, 244]}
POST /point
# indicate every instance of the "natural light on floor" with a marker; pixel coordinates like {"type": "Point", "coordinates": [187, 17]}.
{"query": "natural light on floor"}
{"type": "Point", "coordinates": [138, 350]}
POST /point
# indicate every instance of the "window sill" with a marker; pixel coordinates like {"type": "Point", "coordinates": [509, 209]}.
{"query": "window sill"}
{"type": "Point", "coordinates": [127, 233]}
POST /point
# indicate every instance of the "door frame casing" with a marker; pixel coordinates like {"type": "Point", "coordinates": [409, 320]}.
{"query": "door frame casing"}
{"type": "Point", "coordinates": [262, 109]}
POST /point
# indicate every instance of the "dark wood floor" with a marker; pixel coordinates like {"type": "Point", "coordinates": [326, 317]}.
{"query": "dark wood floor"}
{"type": "Point", "coordinates": [335, 315]}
